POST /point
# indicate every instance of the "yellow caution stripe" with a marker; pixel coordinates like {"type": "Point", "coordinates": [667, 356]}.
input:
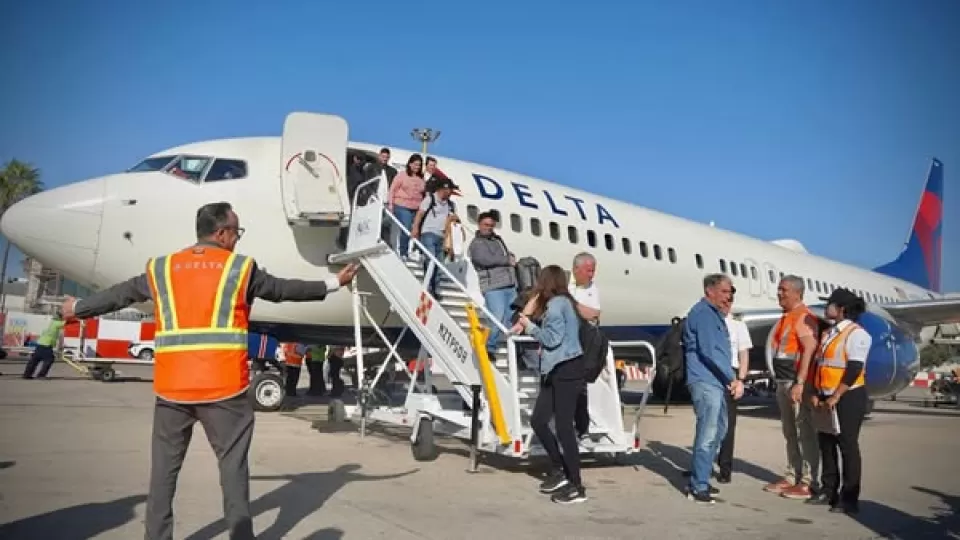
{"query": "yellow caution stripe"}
{"type": "Point", "coordinates": [478, 338]}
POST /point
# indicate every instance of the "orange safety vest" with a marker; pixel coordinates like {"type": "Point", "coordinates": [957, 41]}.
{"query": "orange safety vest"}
{"type": "Point", "coordinates": [786, 344]}
{"type": "Point", "coordinates": [831, 361]}
{"type": "Point", "coordinates": [201, 313]}
{"type": "Point", "coordinates": [290, 355]}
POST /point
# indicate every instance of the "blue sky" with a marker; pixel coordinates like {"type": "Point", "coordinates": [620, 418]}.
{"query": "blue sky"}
{"type": "Point", "coordinates": [708, 111]}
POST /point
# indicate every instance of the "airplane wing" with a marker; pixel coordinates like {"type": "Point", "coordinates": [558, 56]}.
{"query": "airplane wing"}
{"type": "Point", "coordinates": [925, 312]}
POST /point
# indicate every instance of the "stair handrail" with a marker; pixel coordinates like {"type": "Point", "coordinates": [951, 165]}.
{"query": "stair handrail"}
{"type": "Point", "coordinates": [511, 338]}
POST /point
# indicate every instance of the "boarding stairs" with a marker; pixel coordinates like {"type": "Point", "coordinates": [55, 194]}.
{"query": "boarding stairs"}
{"type": "Point", "coordinates": [499, 396]}
{"type": "Point", "coordinates": [494, 399]}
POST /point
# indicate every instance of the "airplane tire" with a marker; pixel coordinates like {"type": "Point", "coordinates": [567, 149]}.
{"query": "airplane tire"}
{"type": "Point", "coordinates": [424, 448]}
{"type": "Point", "coordinates": [336, 412]}
{"type": "Point", "coordinates": [267, 392]}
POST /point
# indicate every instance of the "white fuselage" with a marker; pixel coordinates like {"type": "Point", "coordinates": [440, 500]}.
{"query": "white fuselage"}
{"type": "Point", "coordinates": [650, 265]}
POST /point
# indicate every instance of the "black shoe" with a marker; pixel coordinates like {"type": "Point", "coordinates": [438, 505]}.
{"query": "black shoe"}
{"type": "Point", "coordinates": [554, 481]}
{"type": "Point", "coordinates": [570, 495]}
{"type": "Point", "coordinates": [701, 497]}
{"type": "Point", "coordinates": [712, 490]}
{"type": "Point", "coordinates": [724, 477]}
{"type": "Point", "coordinates": [821, 499]}
{"type": "Point", "coordinates": [845, 508]}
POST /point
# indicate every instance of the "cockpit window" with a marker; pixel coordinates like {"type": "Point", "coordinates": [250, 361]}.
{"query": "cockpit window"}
{"type": "Point", "coordinates": [189, 167]}
{"type": "Point", "coordinates": [226, 169]}
{"type": "Point", "coordinates": [152, 164]}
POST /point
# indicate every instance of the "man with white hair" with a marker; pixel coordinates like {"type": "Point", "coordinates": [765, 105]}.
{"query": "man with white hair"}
{"type": "Point", "coordinates": [584, 290]}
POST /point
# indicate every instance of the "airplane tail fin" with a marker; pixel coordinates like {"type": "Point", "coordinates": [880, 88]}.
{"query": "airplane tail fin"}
{"type": "Point", "coordinates": [919, 262]}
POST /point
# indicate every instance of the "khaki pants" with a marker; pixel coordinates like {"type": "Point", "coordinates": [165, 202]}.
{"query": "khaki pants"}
{"type": "Point", "coordinates": [803, 450]}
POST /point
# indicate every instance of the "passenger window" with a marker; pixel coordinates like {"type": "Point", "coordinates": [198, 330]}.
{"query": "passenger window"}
{"type": "Point", "coordinates": [608, 241]}
{"type": "Point", "coordinates": [753, 272]}
{"type": "Point", "coordinates": [781, 275]}
{"type": "Point", "coordinates": [810, 284]}
{"type": "Point", "coordinates": [733, 268]}
{"type": "Point", "coordinates": [723, 266]}
{"type": "Point", "coordinates": [496, 217]}
{"type": "Point", "coordinates": [627, 245]}
{"type": "Point", "coordinates": [472, 213]}
{"type": "Point", "coordinates": [516, 223]}
{"type": "Point", "coordinates": [772, 276]}
{"type": "Point", "coordinates": [226, 169]}
{"type": "Point", "coordinates": [554, 230]}
{"type": "Point", "coordinates": [152, 164]}
{"type": "Point", "coordinates": [535, 227]}
{"type": "Point", "coordinates": [573, 235]}
{"type": "Point", "coordinates": [643, 250]}
{"type": "Point", "coordinates": [657, 254]}
{"type": "Point", "coordinates": [699, 260]}
{"type": "Point", "coordinates": [743, 270]}
{"type": "Point", "coordinates": [591, 238]}
{"type": "Point", "coordinates": [672, 255]}
{"type": "Point", "coordinates": [189, 167]}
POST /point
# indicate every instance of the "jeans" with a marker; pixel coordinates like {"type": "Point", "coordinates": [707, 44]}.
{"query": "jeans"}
{"type": "Point", "coordinates": [433, 242]}
{"type": "Point", "coordinates": [498, 304]}
{"type": "Point", "coordinates": [710, 408]}
{"type": "Point", "coordinates": [405, 217]}
{"type": "Point", "coordinates": [42, 354]}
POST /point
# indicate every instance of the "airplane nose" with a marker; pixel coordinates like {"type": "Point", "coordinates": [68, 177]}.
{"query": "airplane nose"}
{"type": "Point", "coordinates": [59, 227]}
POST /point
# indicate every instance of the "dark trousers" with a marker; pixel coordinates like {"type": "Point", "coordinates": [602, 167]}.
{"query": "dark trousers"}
{"type": "Point", "coordinates": [581, 417]}
{"type": "Point", "coordinates": [317, 386]}
{"type": "Point", "coordinates": [335, 366]}
{"type": "Point", "coordinates": [292, 379]}
{"type": "Point", "coordinates": [43, 355]}
{"type": "Point", "coordinates": [557, 399]}
{"type": "Point", "coordinates": [229, 428]}
{"type": "Point", "coordinates": [851, 410]}
{"type": "Point", "coordinates": [725, 457]}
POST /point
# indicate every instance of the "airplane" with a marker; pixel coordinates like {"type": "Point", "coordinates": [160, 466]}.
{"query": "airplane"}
{"type": "Point", "coordinates": [289, 194]}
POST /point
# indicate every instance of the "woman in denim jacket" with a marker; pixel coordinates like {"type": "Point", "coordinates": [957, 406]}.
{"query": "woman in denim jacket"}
{"type": "Point", "coordinates": [562, 379]}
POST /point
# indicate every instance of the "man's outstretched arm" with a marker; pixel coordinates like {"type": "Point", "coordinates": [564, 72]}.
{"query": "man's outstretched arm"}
{"type": "Point", "coordinates": [121, 295]}
{"type": "Point", "coordinates": [274, 289]}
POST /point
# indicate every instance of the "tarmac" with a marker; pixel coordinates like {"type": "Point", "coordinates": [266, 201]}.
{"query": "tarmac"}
{"type": "Point", "coordinates": [74, 462]}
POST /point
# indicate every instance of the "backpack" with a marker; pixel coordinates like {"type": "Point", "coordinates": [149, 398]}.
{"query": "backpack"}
{"type": "Point", "coordinates": [670, 351]}
{"type": "Point", "coordinates": [595, 347]}
{"type": "Point", "coordinates": [527, 269]}
{"type": "Point", "coordinates": [433, 203]}
{"type": "Point", "coordinates": [431, 185]}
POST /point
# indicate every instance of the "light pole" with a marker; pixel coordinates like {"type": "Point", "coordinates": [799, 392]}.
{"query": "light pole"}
{"type": "Point", "coordinates": [425, 136]}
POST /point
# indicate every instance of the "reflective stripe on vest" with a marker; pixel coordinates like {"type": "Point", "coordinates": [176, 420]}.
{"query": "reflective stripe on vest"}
{"type": "Point", "coordinates": [200, 346]}
{"type": "Point", "coordinates": [831, 361]}
{"type": "Point", "coordinates": [786, 344]}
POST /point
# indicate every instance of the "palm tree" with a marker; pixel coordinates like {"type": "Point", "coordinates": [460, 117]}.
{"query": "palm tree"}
{"type": "Point", "coordinates": [18, 180]}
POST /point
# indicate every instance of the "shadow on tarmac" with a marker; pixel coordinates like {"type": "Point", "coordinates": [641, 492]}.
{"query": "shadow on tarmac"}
{"type": "Point", "coordinates": [893, 523]}
{"type": "Point", "coordinates": [300, 496]}
{"type": "Point", "coordinates": [82, 521]}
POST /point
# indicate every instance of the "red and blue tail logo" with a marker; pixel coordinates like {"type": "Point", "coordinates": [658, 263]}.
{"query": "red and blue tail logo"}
{"type": "Point", "coordinates": [919, 262]}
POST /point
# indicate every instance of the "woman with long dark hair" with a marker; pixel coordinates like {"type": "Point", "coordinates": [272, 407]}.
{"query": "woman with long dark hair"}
{"type": "Point", "coordinates": [840, 400]}
{"type": "Point", "coordinates": [404, 198]}
{"type": "Point", "coordinates": [562, 379]}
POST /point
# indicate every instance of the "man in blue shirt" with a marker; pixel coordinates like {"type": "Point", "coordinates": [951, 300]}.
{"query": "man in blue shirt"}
{"type": "Point", "coordinates": [706, 349]}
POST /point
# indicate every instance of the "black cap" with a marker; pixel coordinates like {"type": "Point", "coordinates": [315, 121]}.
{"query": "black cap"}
{"type": "Point", "coordinates": [842, 297]}
{"type": "Point", "coordinates": [447, 183]}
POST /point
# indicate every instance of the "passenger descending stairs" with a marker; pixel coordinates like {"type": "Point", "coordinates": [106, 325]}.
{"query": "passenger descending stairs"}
{"type": "Point", "coordinates": [454, 300]}
{"type": "Point", "coordinates": [443, 329]}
